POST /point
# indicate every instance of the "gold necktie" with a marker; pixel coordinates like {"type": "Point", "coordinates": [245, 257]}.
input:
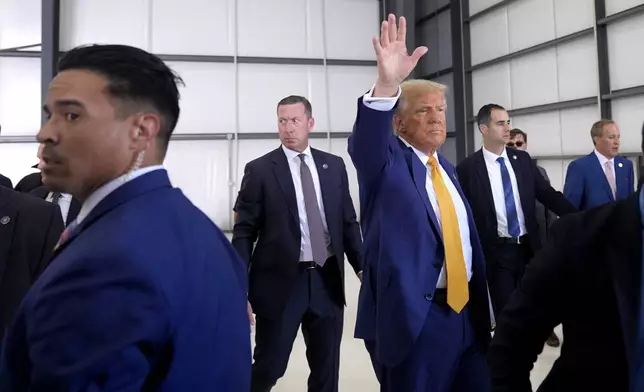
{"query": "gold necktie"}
{"type": "Point", "coordinates": [457, 286]}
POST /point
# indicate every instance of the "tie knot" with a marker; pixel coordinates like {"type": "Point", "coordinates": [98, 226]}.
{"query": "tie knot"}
{"type": "Point", "coordinates": [500, 159]}
{"type": "Point", "coordinates": [609, 164]}
{"type": "Point", "coordinates": [301, 156]}
{"type": "Point", "coordinates": [55, 197]}
{"type": "Point", "coordinates": [433, 163]}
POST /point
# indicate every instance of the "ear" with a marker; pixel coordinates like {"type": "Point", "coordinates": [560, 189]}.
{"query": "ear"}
{"type": "Point", "coordinates": [311, 123]}
{"type": "Point", "coordinates": [398, 123]}
{"type": "Point", "coordinates": [145, 130]}
{"type": "Point", "coordinates": [482, 128]}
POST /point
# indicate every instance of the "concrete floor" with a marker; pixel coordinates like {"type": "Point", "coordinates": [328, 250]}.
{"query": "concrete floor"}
{"type": "Point", "coordinates": [356, 373]}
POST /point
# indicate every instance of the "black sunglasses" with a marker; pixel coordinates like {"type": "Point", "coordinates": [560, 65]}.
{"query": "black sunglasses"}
{"type": "Point", "coordinates": [515, 144]}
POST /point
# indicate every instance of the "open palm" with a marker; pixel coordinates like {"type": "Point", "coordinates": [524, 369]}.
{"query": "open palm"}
{"type": "Point", "coordinates": [394, 63]}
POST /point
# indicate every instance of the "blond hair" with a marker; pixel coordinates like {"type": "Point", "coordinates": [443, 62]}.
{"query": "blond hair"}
{"type": "Point", "coordinates": [413, 87]}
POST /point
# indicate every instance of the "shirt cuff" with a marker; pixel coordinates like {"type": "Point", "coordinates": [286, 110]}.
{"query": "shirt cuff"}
{"type": "Point", "coordinates": [383, 104]}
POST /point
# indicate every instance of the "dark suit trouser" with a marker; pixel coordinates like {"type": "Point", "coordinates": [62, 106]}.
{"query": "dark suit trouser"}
{"type": "Point", "coordinates": [311, 305]}
{"type": "Point", "coordinates": [505, 267]}
{"type": "Point", "coordinates": [445, 358]}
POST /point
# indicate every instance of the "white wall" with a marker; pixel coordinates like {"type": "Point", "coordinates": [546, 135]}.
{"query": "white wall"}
{"type": "Point", "coordinates": [565, 72]}
{"type": "Point", "coordinates": [218, 97]}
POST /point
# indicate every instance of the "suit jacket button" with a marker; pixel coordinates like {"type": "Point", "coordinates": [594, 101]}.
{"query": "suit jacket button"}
{"type": "Point", "coordinates": [429, 297]}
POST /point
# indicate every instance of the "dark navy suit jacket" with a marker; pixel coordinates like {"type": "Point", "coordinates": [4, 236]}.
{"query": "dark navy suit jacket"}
{"type": "Point", "coordinates": [586, 184]}
{"type": "Point", "coordinates": [147, 295]}
{"type": "Point", "coordinates": [402, 242]}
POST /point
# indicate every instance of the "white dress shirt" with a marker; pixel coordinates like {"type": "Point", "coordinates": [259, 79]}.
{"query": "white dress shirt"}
{"type": "Point", "coordinates": [384, 104]}
{"type": "Point", "coordinates": [498, 194]}
{"type": "Point", "coordinates": [294, 162]}
{"type": "Point", "coordinates": [603, 160]}
{"type": "Point", "coordinates": [101, 193]}
{"type": "Point", "coordinates": [64, 203]}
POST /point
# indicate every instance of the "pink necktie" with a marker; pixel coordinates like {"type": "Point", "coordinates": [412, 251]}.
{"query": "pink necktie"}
{"type": "Point", "coordinates": [611, 177]}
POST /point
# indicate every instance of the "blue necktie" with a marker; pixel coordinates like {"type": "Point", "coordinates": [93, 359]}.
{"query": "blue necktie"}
{"type": "Point", "coordinates": [510, 207]}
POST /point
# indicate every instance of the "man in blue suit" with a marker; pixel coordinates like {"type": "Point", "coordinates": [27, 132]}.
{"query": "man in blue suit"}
{"type": "Point", "coordinates": [602, 176]}
{"type": "Point", "coordinates": [423, 309]}
{"type": "Point", "coordinates": [144, 292]}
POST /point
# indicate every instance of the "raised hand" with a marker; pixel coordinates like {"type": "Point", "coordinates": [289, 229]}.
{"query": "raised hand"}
{"type": "Point", "coordinates": [394, 63]}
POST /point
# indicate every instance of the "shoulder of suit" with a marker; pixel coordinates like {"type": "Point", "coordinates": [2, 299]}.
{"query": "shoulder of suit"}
{"type": "Point", "coordinates": [261, 160]}
{"type": "Point", "coordinates": [468, 160]}
{"type": "Point", "coordinates": [327, 155]}
{"type": "Point", "coordinates": [583, 225]}
{"type": "Point", "coordinates": [30, 203]}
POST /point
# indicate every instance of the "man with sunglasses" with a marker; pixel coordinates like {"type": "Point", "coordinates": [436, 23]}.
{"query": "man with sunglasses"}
{"type": "Point", "coordinates": [545, 217]}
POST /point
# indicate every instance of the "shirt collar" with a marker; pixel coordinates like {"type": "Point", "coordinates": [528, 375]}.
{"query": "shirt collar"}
{"type": "Point", "coordinates": [101, 193]}
{"type": "Point", "coordinates": [602, 158]}
{"type": "Point", "coordinates": [492, 157]}
{"type": "Point", "coordinates": [424, 158]}
{"type": "Point", "coordinates": [292, 155]}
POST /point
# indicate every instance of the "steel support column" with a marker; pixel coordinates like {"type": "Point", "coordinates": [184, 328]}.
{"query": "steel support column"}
{"type": "Point", "coordinates": [50, 45]}
{"type": "Point", "coordinates": [603, 68]}
{"type": "Point", "coordinates": [462, 78]}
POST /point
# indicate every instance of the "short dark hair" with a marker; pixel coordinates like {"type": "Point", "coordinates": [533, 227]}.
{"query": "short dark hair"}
{"type": "Point", "coordinates": [484, 114]}
{"type": "Point", "coordinates": [135, 78]}
{"type": "Point", "coordinates": [295, 99]}
{"type": "Point", "coordinates": [516, 131]}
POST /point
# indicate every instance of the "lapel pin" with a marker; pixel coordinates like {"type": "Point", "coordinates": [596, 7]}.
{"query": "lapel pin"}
{"type": "Point", "coordinates": [620, 164]}
{"type": "Point", "coordinates": [514, 157]}
{"type": "Point", "coordinates": [4, 220]}
{"type": "Point", "coordinates": [325, 166]}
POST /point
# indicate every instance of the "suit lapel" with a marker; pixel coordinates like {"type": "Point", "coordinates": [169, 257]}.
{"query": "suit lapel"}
{"type": "Point", "coordinates": [326, 184]}
{"type": "Point", "coordinates": [624, 256]}
{"type": "Point", "coordinates": [620, 178]}
{"type": "Point", "coordinates": [598, 171]}
{"type": "Point", "coordinates": [519, 174]}
{"type": "Point", "coordinates": [484, 180]}
{"type": "Point", "coordinates": [284, 178]}
{"type": "Point", "coordinates": [419, 175]}
{"type": "Point", "coordinates": [7, 225]}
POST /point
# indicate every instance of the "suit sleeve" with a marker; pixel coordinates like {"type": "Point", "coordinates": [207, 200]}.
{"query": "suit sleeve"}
{"type": "Point", "coordinates": [574, 185]}
{"type": "Point", "coordinates": [93, 328]}
{"type": "Point", "coordinates": [532, 312]}
{"type": "Point", "coordinates": [550, 216]}
{"type": "Point", "coordinates": [369, 143]}
{"type": "Point", "coordinates": [351, 230]}
{"type": "Point", "coordinates": [548, 196]}
{"type": "Point", "coordinates": [5, 182]}
{"type": "Point", "coordinates": [54, 227]}
{"type": "Point", "coordinates": [248, 214]}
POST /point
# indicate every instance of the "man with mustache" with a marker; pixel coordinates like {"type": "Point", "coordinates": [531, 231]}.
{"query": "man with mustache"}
{"type": "Point", "coordinates": [502, 187]}
{"type": "Point", "coordinates": [143, 292]}
{"type": "Point", "coordinates": [602, 176]}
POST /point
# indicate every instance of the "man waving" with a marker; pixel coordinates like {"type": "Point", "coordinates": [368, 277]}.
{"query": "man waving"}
{"type": "Point", "coordinates": [423, 308]}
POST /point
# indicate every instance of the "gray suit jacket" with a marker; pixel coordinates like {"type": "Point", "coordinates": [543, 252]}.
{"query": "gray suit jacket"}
{"type": "Point", "coordinates": [545, 217]}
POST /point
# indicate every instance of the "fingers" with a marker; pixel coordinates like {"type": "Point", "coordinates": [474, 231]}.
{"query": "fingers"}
{"type": "Point", "coordinates": [418, 53]}
{"type": "Point", "coordinates": [377, 47]}
{"type": "Point", "coordinates": [402, 29]}
{"type": "Point", "coordinates": [384, 34]}
{"type": "Point", "coordinates": [393, 29]}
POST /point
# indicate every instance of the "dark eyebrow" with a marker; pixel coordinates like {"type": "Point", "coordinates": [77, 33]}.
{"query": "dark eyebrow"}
{"type": "Point", "coordinates": [64, 103]}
